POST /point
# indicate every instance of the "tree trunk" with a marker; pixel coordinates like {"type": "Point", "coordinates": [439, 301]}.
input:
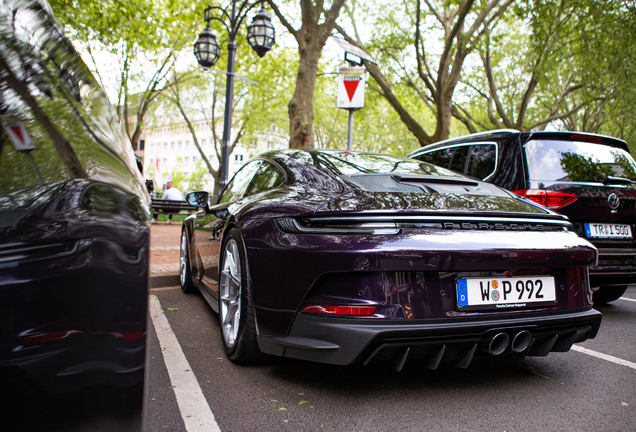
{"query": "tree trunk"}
{"type": "Point", "coordinates": [311, 38]}
{"type": "Point", "coordinates": [301, 106]}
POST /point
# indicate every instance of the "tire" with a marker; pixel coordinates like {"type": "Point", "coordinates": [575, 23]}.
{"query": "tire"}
{"type": "Point", "coordinates": [609, 293]}
{"type": "Point", "coordinates": [236, 313]}
{"type": "Point", "coordinates": [185, 269]}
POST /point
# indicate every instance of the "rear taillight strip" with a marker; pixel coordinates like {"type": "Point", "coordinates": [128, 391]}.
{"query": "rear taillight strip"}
{"type": "Point", "coordinates": [374, 225]}
{"type": "Point", "coordinates": [291, 225]}
{"type": "Point", "coordinates": [550, 199]}
{"type": "Point", "coordinates": [475, 219]}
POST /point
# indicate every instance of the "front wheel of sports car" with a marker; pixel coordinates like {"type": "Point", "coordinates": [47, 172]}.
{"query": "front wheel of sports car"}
{"type": "Point", "coordinates": [185, 275]}
{"type": "Point", "coordinates": [236, 314]}
{"type": "Point", "coordinates": [609, 293]}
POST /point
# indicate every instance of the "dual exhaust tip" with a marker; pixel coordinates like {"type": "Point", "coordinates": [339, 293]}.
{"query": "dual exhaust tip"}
{"type": "Point", "coordinates": [499, 342]}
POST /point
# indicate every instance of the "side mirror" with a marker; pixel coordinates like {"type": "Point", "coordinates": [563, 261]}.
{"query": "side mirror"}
{"type": "Point", "coordinates": [150, 185]}
{"type": "Point", "coordinates": [197, 199]}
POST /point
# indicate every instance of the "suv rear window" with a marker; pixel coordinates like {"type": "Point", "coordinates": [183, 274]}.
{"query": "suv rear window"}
{"type": "Point", "coordinates": [551, 160]}
{"type": "Point", "coordinates": [481, 161]}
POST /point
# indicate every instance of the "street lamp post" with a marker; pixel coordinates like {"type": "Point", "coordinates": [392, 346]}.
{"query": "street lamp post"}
{"type": "Point", "coordinates": [260, 36]}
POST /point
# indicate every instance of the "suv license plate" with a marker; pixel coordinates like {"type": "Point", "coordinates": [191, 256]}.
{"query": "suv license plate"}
{"type": "Point", "coordinates": [609, 231]}
{"type": "Point", "coordinates": [505, 292]}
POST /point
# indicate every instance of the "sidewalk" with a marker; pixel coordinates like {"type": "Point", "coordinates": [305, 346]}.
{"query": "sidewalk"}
{"type": "Point", "coordinates": [164, 249]}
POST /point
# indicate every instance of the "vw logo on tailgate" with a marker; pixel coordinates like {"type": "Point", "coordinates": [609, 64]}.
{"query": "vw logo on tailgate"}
{"type": "Point", "coordinates": [613, 201]}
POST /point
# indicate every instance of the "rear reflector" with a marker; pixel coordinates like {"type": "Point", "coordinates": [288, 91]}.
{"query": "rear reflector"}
{"type": "Point", "coordinates": [551, 199]}
{"type": "Point", "coordinates": [43, 338]}
{"type": "Point", "coordinates": [341, 310]}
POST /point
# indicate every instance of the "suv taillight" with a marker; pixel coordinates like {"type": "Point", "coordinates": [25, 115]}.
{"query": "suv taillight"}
{"type": "Point", "coordinates": [551, 199]}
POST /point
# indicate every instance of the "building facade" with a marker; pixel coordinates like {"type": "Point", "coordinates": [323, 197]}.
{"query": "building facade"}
{"type": "Point", "coordinates": [169, 152]}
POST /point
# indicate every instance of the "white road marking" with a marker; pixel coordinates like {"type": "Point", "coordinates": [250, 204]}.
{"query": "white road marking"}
{"type": "Point", "coordinates": [604, 356]}
{"type": "Point", "coordinates": [628, 299]}
{"type": "Point", "coordinates": [194, 408]}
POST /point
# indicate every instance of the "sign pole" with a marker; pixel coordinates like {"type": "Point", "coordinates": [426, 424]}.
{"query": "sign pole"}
{"type": "Point", "coordinates": [35, 167]}
{"type": "Point", "coordinates": [350, 134]}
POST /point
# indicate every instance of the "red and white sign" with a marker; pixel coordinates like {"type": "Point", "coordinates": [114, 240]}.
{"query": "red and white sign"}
{"type": "Point", "coordinates": [19, 136]}
{"type": "Point", "coordinates": [351, 88]}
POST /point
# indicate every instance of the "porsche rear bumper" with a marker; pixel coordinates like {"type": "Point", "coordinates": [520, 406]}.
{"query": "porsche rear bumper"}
{"type": "Point", "coordinates": [345, 341]}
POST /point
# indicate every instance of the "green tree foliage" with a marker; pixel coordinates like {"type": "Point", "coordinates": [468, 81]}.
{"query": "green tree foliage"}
{"type": "Point", "coordinates": [500, 64]}
{"type": "Point", "coordinates": [265, 105]}
{"type": "Point", "coordinates": [606, 62]}
{"type": "Point", "coordinates": [423, 45]}
{"type": "Point", "coordinates": [178, 177]}
{"type": "Point", "coordinates": [317, 20]}
{"type": "Point", "coordinates": [536, 86]}
{"type": "Point", "coordinates": [145, 36]}
{"type": "Point", "coordinates": [258, 103]}
{"type": "Point", "coordinates": [567, 72]}
{"type": "Point", "coordinates": [197, 181]}
{"type": "Point", "coordinates": [444, 67]}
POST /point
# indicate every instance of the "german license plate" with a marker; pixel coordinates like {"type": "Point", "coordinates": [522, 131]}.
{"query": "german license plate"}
{"type": "Point", "coordinates": [610, 231]}
{"type": "Point", "coordinates": [505, 292]}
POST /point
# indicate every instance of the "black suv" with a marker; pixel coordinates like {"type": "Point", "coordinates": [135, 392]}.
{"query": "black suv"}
{"type": "Point", "coordinates": [584, 176]}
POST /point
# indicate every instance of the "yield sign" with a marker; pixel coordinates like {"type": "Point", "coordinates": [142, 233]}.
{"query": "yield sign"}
{"type": "Point", "coordinates": [19, 136]}
{"type": "Point", "coordinates": [351, 88]}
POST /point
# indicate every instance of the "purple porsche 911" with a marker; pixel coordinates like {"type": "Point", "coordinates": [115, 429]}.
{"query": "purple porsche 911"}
{"type": "Point", "coordinates": [341, 258]}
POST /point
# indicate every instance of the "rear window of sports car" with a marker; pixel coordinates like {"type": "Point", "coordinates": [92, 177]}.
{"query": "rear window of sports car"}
{"type": "Point", "coordinates": [350, 163]}
{"type": "Point", "coordinates": [551, 160]}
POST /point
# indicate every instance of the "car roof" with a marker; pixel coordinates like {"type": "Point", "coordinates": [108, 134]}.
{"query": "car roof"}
{"type": "Point", "coordinates": [336, 163]}
{"type": "Point", "coordinates": [499, 133]}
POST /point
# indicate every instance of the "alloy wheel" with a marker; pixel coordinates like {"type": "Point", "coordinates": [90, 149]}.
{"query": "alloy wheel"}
{"type": "Point", "coordinates": [230, 293]}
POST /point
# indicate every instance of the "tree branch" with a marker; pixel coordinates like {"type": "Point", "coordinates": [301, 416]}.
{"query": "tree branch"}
{"type": "Point", "coordinates": [492, 86]}
{"type": "Point", "coordinates": [282, 19]}
{"type": "Point", "coordinates": [557, 117]}
{"type": "Point", "coordinates": [421, 58]}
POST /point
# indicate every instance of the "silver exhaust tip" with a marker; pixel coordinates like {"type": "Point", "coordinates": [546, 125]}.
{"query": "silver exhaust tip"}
{"type": "Point", "coordinates": [521, 341]}
{"type": "Point", "coordinates": [498, 344]}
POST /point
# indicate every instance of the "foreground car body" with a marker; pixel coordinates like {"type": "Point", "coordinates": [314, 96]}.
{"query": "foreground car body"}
{"type": "Point", "coordinates": [74, 222]}
{"type": "Point", "coordinates": [343, 257]}
{"type": "Point", "coordinates": [583, 176]}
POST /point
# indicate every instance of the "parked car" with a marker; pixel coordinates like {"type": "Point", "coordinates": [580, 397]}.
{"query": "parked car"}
{"type": "Point", "coordinates": [588, 178]}
{"type": "Point", "coordinates": [342, 257]}
{"type": "Point", "coordinates": [74, 223]}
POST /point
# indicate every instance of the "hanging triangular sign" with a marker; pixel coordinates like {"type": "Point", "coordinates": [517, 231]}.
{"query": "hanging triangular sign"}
{"type": "Point", "coordinates": [351, 87]}
{"type": "Point", "coordinates": [17, 130]}
{"type": "Point", "coordinates": [19, 136]}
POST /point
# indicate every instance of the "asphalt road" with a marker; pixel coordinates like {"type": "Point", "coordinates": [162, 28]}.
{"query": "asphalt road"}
{"type": "Point", "coordinates": [571, 391]}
